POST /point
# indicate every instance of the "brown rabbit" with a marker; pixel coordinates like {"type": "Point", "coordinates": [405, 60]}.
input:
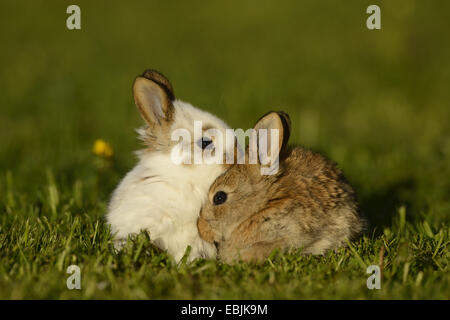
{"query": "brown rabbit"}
{"type": "Point", "coordinates": [306, 204]}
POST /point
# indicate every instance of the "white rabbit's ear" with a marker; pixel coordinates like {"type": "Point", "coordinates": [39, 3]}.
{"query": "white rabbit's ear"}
{"type": "Point", "coordinates": [279, 121]}
{"type": "Point", "coordinates": [153, 95]}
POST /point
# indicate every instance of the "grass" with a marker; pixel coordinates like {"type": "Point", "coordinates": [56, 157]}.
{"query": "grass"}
{"type": "Point", "coordinates": [376, 102]}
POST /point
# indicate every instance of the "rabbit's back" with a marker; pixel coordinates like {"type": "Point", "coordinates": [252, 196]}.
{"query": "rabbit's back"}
{"type": "Point", "coordinates": [308, 204]}
{"type": "Point", "coordinates": [322, 203]}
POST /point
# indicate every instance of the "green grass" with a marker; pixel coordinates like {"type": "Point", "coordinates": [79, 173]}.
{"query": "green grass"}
{"type": "Point", "coordinates": [376, 102]}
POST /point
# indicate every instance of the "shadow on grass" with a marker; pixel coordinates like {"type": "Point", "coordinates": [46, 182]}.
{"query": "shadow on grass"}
{"type": "Point", "coordinates": [381, 207]}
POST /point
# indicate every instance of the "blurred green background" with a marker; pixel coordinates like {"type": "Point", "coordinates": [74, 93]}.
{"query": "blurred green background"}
{"type": "Point", "coordinates": [375, 101]}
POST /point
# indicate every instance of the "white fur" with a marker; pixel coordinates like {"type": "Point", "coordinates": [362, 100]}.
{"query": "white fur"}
{"type": "Point", "coordinates": [166, 204]}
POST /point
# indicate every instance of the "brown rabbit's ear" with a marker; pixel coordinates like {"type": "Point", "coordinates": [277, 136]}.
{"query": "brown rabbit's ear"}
{"type": "Point", "coordinates": [286, 127]}
{"type": "Point", "coordinates": [275, 120]}
{"type": "Point", "coordinates": [153, 95]}
{"type": "Point", "coordinates": [160, 79]}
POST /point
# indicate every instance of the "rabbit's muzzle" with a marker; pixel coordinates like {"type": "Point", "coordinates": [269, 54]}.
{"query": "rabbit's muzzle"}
{"type": "Point", "coordinates": [205, 230]}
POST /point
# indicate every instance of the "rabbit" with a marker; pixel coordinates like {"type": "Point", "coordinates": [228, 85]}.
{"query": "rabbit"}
{"type": "Point", "coordinates": [159, 195]}
{"type": "Point", "coordinates": [306, 204]}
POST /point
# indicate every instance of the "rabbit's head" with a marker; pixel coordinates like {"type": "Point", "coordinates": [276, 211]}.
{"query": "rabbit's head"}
{"type": "Point", "coordinates": [243, 190]}
{"type": "Point", "coordinates": [179, 135]}
{"type": "Point", "coordinates": [174, 126]}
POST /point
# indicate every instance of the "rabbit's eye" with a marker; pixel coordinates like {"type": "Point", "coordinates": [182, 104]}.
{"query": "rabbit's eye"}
{"type": "Point", "coordinates": [204, 143]}
{"type": "Point", "coordinates": [220, 197]}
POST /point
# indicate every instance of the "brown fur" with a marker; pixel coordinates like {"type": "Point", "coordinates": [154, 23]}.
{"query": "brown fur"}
{"type": "Point", "coordinates": [308, 204]}
{"type": "Point", "coordinates": [161, 80]}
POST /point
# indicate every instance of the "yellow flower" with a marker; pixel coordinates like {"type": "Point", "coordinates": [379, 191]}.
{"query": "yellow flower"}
{"type": "Point", "coordinates": [102, 148]}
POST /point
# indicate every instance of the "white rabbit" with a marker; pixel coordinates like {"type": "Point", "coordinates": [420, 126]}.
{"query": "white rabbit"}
{"type": "Point", "coordinates": [159, 195]}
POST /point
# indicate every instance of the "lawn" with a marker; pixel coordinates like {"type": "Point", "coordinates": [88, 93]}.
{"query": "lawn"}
{"type": "Point", "coordinates": [374, 101]}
